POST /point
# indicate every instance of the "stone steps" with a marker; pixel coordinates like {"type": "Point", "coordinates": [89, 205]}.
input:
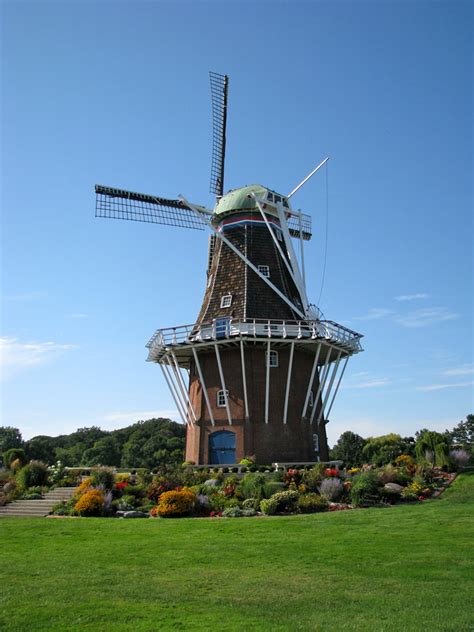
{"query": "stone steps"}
{"type": "Point", "coordinates": [37, 508]}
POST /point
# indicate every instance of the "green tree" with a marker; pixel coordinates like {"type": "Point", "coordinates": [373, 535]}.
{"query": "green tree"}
{"type": "Point", "coordinates": [349, 449]}
{"type": "Point", "coordinates": [383, 449]}
{"type": "Point", "coordinates": [105, 451]}
{"type": "Point", "coordinates": [434, 447]}
{"type": "Point", "coordinates": [41, 448]}
{"type": "Point", "coordinates": [10, 438]}
{"type": "Point", "coordinates": [462, 435]}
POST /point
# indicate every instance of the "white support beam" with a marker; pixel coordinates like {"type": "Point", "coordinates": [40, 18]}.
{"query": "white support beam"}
{"type": "Point", "coordinates": [267, 382]}
{"type": "Point", "coordinates": [247, 262]}
{"type": "Point", "coordinates": [310, 175]}
{"type": "Point", "coordinates": [328, 390]}
{"type": "Point", "coordinates": [303, 273]}
{"type": "Point", "coordinates": [182, 385]}
{"type": "Point", "coordinates": [244, 380]}
{"type": "Point", "coordinates": [337, 387]}
{"type": "Point", "coordinates": [288, 382]}
{"type": "Point", "coordinates": [322, 380]}
{"type": "Point", "coordinates": [221, 374]}
{"type": "Point", "coordinates": [173, 395]}
{"type": "Point", "coordinates": [203, 386]}
{"type": "Point", "coordinates": [310, 383]}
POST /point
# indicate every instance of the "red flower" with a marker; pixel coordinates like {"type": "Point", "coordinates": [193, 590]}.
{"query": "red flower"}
{"type": "Point", "coordinates": [121, 485]}
{"type": "Point", "coordinates": [331, 471]}
{"type": "Point", "coordinates": [421, 498]}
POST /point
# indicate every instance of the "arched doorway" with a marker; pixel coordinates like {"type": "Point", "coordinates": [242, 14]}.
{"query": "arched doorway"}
{"type": "Point", "coordinates": [222, 448]}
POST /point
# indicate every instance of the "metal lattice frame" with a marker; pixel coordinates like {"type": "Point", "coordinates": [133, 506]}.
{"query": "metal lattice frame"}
{"type": "Point", "coordinates": [119, 204]}
{"type": "Point", "coordinates": [300, 224]}
{"type": "Point", "coordinates": [219, 86]}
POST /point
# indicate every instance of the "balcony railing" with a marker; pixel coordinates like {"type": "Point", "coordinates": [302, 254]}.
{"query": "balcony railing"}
{"type": "Point", "coordinates": [228, 328]}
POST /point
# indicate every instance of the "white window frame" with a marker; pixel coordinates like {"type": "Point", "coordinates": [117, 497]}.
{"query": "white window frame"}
{"type": "Point", "coordinates": [264, 271]}
{"type": "Point", "coordinates": [222, 398]}
{"type": "Point", "coordinates": [316, 442]}
{"type": "Point", "coordinates": [273, 359]}
{"type": "Point", "coordinates": [226, 301]}
{"type": "Point", "coordinates": [311, 399]}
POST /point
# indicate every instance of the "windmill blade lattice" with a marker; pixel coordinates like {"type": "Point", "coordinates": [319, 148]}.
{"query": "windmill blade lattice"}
{"type": "Point", "coordinates": [294, 226]}
{"type": "Point", "coordinates": [219, 86]}
{"type": "Point", "coordinates": [139, 207]}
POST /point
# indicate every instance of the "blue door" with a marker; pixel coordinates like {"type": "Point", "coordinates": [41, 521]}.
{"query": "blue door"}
{"type": "Point", "coordinates": [222, 448]}
{"type": "Point", "coordinates": [222, 328]}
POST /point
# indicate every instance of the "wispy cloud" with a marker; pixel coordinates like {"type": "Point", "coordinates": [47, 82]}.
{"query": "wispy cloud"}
{"type": "Point", "coordinates": [16, 356]}
{"type": "Point", "coordinates": [411, 297]}
{"type": "Point", "coordinates": [425, 317]}
{"type": "Point", "coordinates": [375, 313]}
{"type": "Point", "coordinates": [373, 383]}
{"type": "Point", "coordinates": [439, 387]}
{"type": "Point", "coordinates": [465, 369]}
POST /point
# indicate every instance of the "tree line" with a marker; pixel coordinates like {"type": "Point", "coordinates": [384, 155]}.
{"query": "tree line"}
{"type": "Point", "coordinates": [143, 444]}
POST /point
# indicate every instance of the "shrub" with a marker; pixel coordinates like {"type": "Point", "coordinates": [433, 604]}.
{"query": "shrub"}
{"type": "Point", "coordinates": [459, 458]}
{"type": "Point", "coordinates": [84, 486]}
{"type": "Point", "coordinates": [364, 489]}
{"type": "Point", "coordinates": [126, 503]}
{"type": "Point", "coordinates": [434, 443]}
{"type": "Point", "coordinates": [312, 478]}
{"type": "Point", "coordinates": [176, 503]}
{"type": "Point", "coordinates": [331, 488]}
{"type": "Point", "coordinates": [251, 503]}
{"type": "Point", "coordinates": [220, 502]}
{"type": "Point", "coordinates": [32, 496]}
{"type": "Point", "coordinates": [312, 503]}
{"type": "Point", "coordinates": [383, 449]}
{"type": "Point", "coordinates": [281, 502]}
{"type": "Point", "coordinates": [237, 512]}
{"type": "Point", "coordinates": [103, 476]}
{"type": "Point", "coordinates": [253, 486]}
{"type": "Point", "coordinates": [12, 455]}
{"type": "Point", "coordinates": [412, 491]}
{"type": "Point", "coordinates": [90, 503]}
{"type": "Point", "coordinates": [35, 473]}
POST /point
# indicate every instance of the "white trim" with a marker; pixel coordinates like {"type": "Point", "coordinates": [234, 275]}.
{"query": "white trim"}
{"type": "Point", "coordinates": [265, 270]}
{"type": "Point", "coordinates": [328, 390]}
{"type": "Point", "coordinates": [337, 386]}
{"type": "Point", "coordinates": [244, 379]}
{"type": "Point", "coordinates": [311, 380]}
{"type": "Point", "coordinates": [274, 355]}
{"type": "Point", "coordinates": [174, 392]}
{"type": "Point", "coordinates": [185, 421]}
{"type": "Point", "coordinates": [184, 390]}
{"type": "Point", "coordinates": [267, 381]}
{"type": "Point", "coordinates": [226, 301]}
{"type": "Point", "coordinates": [288, 381]}
{"type": "Point", "coordinates": [322, 380]}
{"type": "Point", "coordinates": [221, 374]}
{"type": "Point", "coordinates": [225, 395]}
{"type": "Point", "coordinates": [203, 386]}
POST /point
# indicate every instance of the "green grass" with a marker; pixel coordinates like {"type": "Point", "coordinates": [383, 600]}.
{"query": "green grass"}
{"type": "Point", "coordinates": [401, 568]}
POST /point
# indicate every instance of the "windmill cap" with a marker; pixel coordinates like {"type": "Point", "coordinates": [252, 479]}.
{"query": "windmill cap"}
{"type": "Point", "coordinates": [242, 200]}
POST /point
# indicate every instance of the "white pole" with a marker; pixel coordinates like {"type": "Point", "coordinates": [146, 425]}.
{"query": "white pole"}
{"type": "Point", "coordinates": [203, 386]}
{"type": "Point", "coordinates": [308, 177]}
{"type": "Point", "coordinates": [267, 382]}
{"type": "Point", "coordinates": [322, 380]}
{"type": "Point", "coordinates": [310, 383]}
{"type": "Point", "coordinates": [178, 405]}
{"type": "Point", "coordinates": [244, 379]}
{"type": "Point", "coordinates": [221, 374]}
{"type": "Point", "coordinates": [184, 390]}
{"type": "Point", "coordinates": [337, 386]}
{"type": "Point", "coordinates": [288, 381]}
{"type": "Point", "coordinates": [303, 273]}
{"type": "Point", "coordinates": [328, 390]}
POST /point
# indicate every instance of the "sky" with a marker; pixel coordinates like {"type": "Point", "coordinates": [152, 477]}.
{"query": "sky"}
{"type": "Point", "coordinates": [117, 93]}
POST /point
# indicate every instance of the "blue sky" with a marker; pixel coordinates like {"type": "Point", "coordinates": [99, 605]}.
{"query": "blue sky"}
{"type": "Point", "coordinates": [118, 94]}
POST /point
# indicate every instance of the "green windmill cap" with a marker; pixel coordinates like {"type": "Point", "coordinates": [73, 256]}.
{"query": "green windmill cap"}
{"type": "Point", "coordinates": [239, 200]}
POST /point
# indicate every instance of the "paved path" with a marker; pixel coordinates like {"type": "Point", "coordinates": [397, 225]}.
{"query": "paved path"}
{"type": "Point", "coordinates": [37, 508]}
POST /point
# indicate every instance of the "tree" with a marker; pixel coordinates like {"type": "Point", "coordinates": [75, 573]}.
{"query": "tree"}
{"type": "Point", "coordinates": [349, 448]}
{"type": "Point", "coordinates": [41, 448]}
{"type": "Point", "coordinates": [105, 451]}
{"type": "Point", "coordinates": [10, 438]}
{"type": "Point", "coordinates": [384, 449]}
{"type": "Point", "coordinates": [462, 435]}
{"type": "Point", "coordinates": [434, 447]}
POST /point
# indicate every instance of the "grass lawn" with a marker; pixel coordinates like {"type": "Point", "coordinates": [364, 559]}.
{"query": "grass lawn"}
{"type": "Point", "coordinates": [401, 568]}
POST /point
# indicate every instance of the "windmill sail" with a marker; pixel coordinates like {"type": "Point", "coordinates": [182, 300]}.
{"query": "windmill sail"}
{"type": "Point", "coordinates": [119, 204]}
{"type": "Point", "coordinates": [219, 86]}
{"type": "Point", "coordinates": [294, 226]}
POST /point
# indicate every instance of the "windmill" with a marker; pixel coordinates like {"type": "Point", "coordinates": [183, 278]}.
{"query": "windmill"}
{"type": "Point", "coordinates": [258, 371]}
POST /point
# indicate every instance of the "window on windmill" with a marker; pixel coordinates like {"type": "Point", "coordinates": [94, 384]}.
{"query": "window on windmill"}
{"type": "Point", "coordinates": [270, 196]}
{"type": "Point", "coordinates": [285, 203]}
{"type": "Point", "coordinates": [264, 271]}
{"type": "Point", "coordinates": [311, 399]}
{"type": "Point", "coordinates": [222, 397]}
{"type": "Point", "coordinates": [226, 300]}
{"type": "Point", "coordinates": [277, 198]}
{"type": "Point", "coordinates": [316, 442]}
{"type": "Point", "coordinates": [273, 360]}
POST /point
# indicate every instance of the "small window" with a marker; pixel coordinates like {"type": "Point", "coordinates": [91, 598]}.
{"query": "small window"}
{"type": "Point", "coordinates": [270, 196]}
{"type": "Point", "coordinates": [316, 442]}
{"type": "Point", "coordinates": [311, 399]}
{"type": "Point", "coordinates": [285, 203]}
{"type": "Point", "coordinates": [226, 300]}
{"type": "Point", "coordinates": [222, 397]}
{"type": "Point", "coordinates": [277, 198]}
{"type": "Point", "coordinates": [264, 271]}
{"type": "Point", "coordinates": [273, 359]}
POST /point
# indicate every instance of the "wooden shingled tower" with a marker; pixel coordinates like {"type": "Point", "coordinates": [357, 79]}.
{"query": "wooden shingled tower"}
{"type": "Point", "coordinates": [258, 371]}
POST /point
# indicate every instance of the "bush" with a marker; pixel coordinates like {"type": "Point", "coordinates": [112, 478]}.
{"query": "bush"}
{"type": "Point", "coordinates": [349, 449]}
{"type": "Point", "coordinates": [281, 502]}
{"type": "Point", "coordinates": [364, 491]}
{"type": "Point", "coordinates": [312, 478]}
{"type": "Point", "coordinates": [176, 503]}
{"type": "Point", "coordinates": [14, 454]}
{"type": "Point", "coordinates": [331, 488]}
{"type": "Point", "coordinates": [90, 503]}
{"type": "Point", "coordinates": [220, 502]}
{"type": "Point", "coordinates": [237, 512]}
{"type": "Point", "coordinates": [253, 486]}
{"type": "Point", "coordinates": [126, 503]}
{"type": "Point", "coordinates": [312, 503]}
{"type": "Point", "coordinates": [34, 474]}
{"type": "Point", "coordinates": [436, 445]}
{"type": "Point", "coordinates": [104, 477]}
